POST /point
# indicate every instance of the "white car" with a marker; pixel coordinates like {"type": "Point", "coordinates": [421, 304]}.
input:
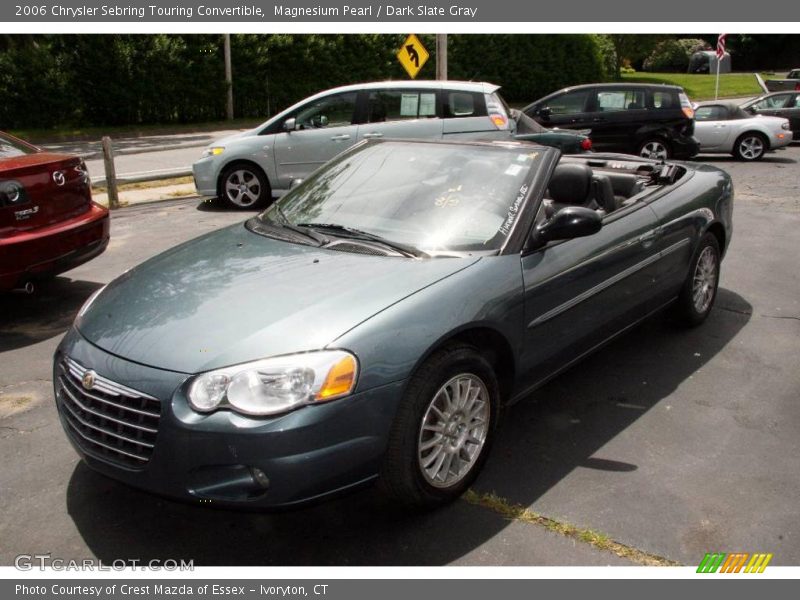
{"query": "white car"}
{"type": "Point", "coordinates": [727, 127]}
{"type": "Point", "coordinates": [247, 168]}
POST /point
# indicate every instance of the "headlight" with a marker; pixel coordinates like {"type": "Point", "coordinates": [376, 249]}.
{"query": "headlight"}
{"type": "Point", "coordinates": [213, 151]}
{"type": "Point", "coordinates": [785, 126]}
{"type": "Point", "coordinates": [276, 385]}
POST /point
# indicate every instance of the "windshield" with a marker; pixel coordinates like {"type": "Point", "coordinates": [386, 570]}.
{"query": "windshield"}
{"type": "Point", "coordinates": [429, 196]}
{"type": "Point", "coordinates": [11, 147]}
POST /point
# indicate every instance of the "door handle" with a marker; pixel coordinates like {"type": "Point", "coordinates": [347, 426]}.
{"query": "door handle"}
{"type": "Point", "coordinates": [369, 136]}
{"type": "Point", "coordinates": [647, 238]}
{"type": "Point", "coordinates": [598, 120]}
{"type": "Point", "coordinates": [341, 137]}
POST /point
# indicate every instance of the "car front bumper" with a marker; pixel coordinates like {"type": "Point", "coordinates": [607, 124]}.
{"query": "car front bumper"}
{"type": "Point", "coordinates": [205, 173]}
{"type": "Point", "coordinates": [227, 459]}
{"type": "Point", "coordinates": [780, 142]}
{"type": "Point", "coordinates": [53, 249]}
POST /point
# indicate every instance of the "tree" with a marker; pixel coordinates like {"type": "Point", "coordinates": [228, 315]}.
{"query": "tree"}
{"type": "Point", "coordinates": [633, 47]}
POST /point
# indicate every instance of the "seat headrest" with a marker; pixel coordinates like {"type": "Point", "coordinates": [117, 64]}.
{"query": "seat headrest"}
{"type": "Point", "coordinates": [571, 183]}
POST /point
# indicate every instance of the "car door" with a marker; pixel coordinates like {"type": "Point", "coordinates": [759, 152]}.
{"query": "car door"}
{"type": "Point", "coordinates": [579, 292]}
{"type": "Point", "coordinates": [616, 115]}
{"type": "Point", "coordinates": [792, 112]}
{"type": "Point", "coordinates": [712, 128]}
{"type": "Point", "coordinates": [401, 113]}
{"type": "Point", "coordinates": [774, 105]}
{"type": "Point", "coordinates": [323, 128]}
{"type": "Point", "coordinates": [566, 111]}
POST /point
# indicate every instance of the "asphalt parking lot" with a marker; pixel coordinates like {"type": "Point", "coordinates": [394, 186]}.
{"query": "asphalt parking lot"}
{"type": "Point", "coordinates": [672, 443]}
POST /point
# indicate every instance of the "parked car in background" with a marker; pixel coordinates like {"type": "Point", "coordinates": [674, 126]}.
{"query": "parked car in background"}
{"type": "Point", "coordinates": [727, 127]}
{"type": "Point", "coordinates": [778, 104]}
{"type": "Point", "coordinates": [791, 82]}
{"type": "Point", "coordinates": [654, 121]}
{"type": "Point", "coordinates": [48, 222]}
{"type": "Point", "coordinates": [247, 169]}
{"type": "Point", "coordinates": [371, 323]}
{"type": "Point", "coordinates": [569, 141]}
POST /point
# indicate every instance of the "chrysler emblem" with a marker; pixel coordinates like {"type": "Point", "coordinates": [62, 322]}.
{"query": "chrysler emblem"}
{"type": "Point", "coordinates": [58, 177]}
{"type": "Point", "coordinates": [88, 380]}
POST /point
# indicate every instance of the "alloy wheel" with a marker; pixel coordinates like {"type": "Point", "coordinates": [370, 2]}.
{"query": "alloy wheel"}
{"type": "Point", "coordinates": [751, 147]}
{"type": "Point", "coordinates": [654, 149]}
{"type": "Point", "coordinates": [705, 280]}
{"type": "Point", "coordinates": [243, 188]}
{"type": "Point", "coordinates": [454, 430]}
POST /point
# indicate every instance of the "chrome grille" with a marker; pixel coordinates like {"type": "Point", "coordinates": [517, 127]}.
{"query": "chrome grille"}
{"type": "Point", "coordinates": [108, 420]}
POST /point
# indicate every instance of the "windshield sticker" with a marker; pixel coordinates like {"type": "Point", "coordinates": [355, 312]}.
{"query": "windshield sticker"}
{"type": "Point", "coordinates": [533, 155]}
{"type": "Point", "coordinates": [513, 211]}
{"type": "Point", "coordinates": [523, 157]}
{"type": "Point", "coordinates": [514, 170]}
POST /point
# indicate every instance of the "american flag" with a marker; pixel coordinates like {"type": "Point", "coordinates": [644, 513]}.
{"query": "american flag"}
{"type": "Point", "coordinates": [721, 45]}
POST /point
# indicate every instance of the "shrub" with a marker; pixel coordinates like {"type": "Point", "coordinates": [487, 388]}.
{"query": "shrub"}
{"type": "Point", "coordinates": [672, 56]}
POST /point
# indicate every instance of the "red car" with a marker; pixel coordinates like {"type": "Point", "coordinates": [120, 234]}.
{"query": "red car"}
{"type": "Point", "coordinates": [48, 222]}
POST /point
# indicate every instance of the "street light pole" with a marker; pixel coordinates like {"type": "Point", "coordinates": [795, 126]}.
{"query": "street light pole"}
{"type": "Point", "coordinates": [228, 76]}
{"type": "Point", "coordinates": [441, 56]}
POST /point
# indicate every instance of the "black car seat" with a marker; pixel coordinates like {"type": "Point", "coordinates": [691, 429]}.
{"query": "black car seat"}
{"type": "Point", "coordinates": [603, 192]}
{"type": "Point", "coordinates": [570, 185]}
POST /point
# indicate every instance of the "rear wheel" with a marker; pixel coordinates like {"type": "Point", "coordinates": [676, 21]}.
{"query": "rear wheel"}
{"type": "Point", "coordinates": [700, 289]}
{"type": "Point", "coordinates": [750, 146]}
{"type": "Point", "coordinates": [655, 148]}
{"type": "Point", "coordinates": [244, 186]}
{"type": "Point", "coordinates": [443, 429]}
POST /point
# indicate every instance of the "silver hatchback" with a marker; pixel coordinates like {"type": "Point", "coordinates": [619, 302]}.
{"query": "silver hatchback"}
{"type": "Point", "coordinates": [249, 168]}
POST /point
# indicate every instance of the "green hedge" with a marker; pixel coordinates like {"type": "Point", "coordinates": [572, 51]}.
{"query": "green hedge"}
{"type": "Point", "coordinates": [95, 80]}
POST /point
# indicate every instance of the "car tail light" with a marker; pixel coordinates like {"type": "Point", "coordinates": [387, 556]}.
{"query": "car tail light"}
{"type": "Point", "coordinates": [686, 106]}
{"type": "Point", "coordinates": [797, 87]}
{"type": "Point", "coordinates": [586, 144]}
{"type": "Point", "coordinates": [499, 121]}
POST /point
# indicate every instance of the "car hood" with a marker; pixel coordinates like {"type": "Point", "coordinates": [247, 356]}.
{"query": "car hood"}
{"type": "Point", "coordinates": [233, 137]}
{"type": "Point", "coordinates": [233, 296]}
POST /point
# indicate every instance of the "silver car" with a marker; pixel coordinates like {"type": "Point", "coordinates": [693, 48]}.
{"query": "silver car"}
{"type": "Point", "coordinates": [247, 169]}
{"type": "Point", "coordinates": [727, 127]}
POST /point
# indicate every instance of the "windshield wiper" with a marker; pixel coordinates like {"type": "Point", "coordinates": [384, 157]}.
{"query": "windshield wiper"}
{"type": "Point", "coordinates": [286, 224]}
{"type": "Point", "coordinates": [351, 232]}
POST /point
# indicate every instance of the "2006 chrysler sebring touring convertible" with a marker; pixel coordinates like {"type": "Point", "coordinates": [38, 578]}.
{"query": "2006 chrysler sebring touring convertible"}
{"type": "Point", "coordinates": [372, 323]}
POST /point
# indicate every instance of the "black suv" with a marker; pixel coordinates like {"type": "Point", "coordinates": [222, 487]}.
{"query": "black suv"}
{"type": "Point", "coordinates": [654, 121]}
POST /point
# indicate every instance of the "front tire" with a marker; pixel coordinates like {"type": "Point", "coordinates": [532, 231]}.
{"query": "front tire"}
{"type": "Point", "coordinates": [443, 429]}
{"type": "Point", "coordinates": [244, 186]}
{"type": "Point", "coordinates": [750, 146]}
{"type": "Point", "coordinates": [700, 289]}
{"type": "Point", "coordinates": [655, 148]}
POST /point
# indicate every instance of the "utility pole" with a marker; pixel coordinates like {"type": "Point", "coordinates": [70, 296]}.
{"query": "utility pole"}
{"type": "Point", "coordinates": [228, 76]}
{"type": "Point", "coordinates": [441, 56]}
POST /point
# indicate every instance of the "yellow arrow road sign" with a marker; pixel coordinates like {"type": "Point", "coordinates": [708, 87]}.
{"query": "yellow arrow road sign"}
{"type": "Point", "coordinates": [412, 55]}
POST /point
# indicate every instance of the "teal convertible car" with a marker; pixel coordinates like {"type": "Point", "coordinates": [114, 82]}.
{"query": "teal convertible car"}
{"type": "Point", "coordinates": [372, 324]}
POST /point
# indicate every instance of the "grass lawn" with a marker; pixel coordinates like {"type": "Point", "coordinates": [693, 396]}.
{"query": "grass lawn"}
{"type": "Point", "coordinates": [701, 87]}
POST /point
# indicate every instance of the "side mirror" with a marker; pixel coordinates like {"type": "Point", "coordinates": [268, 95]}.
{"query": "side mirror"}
{"type": "Point", "coordinates": [544, 112]}
{"type": "Point", "coordinates": [752, 109]}
{"type": "Point", "coordinates": [290, 125]}
{"type": "Point", "coordinates": [569, 222]}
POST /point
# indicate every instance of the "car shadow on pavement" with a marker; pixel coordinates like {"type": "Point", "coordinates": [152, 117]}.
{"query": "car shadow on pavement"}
{"type": "Point", "coordinates": [218, 205]}
{"type": "Point", "coordinates": [727, 158]}
{"type": "Point", "coordinates": [48, 312]}
{"type": "Point", "coordinates": [541, 440]}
